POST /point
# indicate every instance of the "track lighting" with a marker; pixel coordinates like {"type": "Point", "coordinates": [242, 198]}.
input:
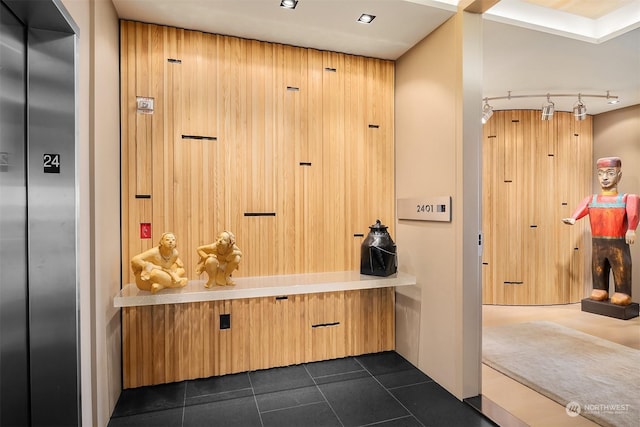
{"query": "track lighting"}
{"type": "Point", "coordinates": [612, 99]}
{"type": "Point", "coordinates": [547, 109]}
{"type": "Point", "coordinates": [579, 109]}
{"type": "Point", "coordinates": [487, 111]}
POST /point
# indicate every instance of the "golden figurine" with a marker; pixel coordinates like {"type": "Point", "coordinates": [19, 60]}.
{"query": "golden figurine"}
{"type": "Point", "coordinates": [159, 267]}
{"type": "Point", "coordinates": [219, 260]}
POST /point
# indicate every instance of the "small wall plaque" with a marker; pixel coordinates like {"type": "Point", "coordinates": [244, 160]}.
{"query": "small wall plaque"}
{"type": "Point", "coordinates": [144, 105]}
{"type": "Point", "coordinates": [425, 209]}
{"type": "Point", "coordinates": [145, 230]}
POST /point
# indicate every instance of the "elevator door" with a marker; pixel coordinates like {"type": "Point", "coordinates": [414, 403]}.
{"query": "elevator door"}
{"type": "Point", "coordinates": [14, 356]}
{"type": "Point", "coordinates": [39, 326]}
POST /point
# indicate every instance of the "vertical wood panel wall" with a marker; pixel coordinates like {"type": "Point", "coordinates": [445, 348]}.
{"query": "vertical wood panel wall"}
{"type": "Point", "coordinates": [242, 126]}
{"type": "Point", "coordinates": [534, 174]}
{"type": "Point", "coordinates": [173, 342]}
{"type": "Point", "coordinates": [247, 127]}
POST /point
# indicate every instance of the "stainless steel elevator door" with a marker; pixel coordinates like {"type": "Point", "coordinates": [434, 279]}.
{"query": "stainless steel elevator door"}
{"type": "Point", "coordinates": [39, 312]}
{"type": "Point", "coordinates": [14, 351]}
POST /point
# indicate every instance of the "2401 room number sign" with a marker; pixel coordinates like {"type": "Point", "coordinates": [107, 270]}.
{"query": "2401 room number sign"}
{"type": "Point", "coordinates": [425, 209]}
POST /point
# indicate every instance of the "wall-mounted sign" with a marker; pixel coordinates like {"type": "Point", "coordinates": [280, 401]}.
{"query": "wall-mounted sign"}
{"type": "Point", "coordinates": [145, 230]}
{"type": "Point", "coordinates": [425, 209]}
{"type": "Point", "coordinates": [144, 105]}
{"type": "Point", "coordinates": [51, 163]}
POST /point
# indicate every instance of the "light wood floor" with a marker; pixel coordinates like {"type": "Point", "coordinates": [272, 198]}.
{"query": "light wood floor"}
{"type": "Point", "coordinates": [522, 402]}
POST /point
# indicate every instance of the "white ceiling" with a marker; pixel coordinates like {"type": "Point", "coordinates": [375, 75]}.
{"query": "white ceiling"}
{"type": "Point", "coordinates": [529, 47]}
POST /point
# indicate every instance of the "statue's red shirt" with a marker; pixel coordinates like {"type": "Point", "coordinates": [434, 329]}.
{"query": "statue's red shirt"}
{"type": "Point", "coordinates": [610, 215]}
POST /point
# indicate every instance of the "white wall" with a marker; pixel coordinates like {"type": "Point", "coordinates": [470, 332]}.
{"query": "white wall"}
{"type": "Point", "coordinates": [438, 154]}
{"type": "Point", "coordinates": [99, 205]}
{"type": "Point", "coordinates": [617, 133]}
{"type": "Point", "coordinates": [105, 202]}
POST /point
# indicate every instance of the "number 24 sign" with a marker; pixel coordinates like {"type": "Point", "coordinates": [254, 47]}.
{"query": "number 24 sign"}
{"type": "Point", "coordinates": [51, 163]}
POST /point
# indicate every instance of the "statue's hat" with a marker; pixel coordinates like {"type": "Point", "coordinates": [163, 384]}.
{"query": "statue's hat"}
{"type": "Point", "coordinates": [609, 162]}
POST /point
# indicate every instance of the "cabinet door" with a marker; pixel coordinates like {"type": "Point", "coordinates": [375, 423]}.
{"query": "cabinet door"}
{"type": "Point", "coordinates": [276, 332]}
{"type": "Point", "coordinates": [288, 335]}
{"type": "Point", "coordinates": [326, 325]}
{"type": "Point", "coordinates": [370, 320]}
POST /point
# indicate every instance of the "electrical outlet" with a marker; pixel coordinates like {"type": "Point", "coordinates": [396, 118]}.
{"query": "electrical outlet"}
{"type": "Point", "coordinates": [225, 321]}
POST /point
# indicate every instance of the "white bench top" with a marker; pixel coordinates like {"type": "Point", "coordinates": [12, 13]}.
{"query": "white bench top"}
{"type": "Point", "coordinates": [261, 286]}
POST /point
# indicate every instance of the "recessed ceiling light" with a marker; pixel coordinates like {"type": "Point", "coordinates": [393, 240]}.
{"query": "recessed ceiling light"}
{"type": "Point", "coordinates": [289, 4]}
{"type": "Point", "coordinates": [365, 18]}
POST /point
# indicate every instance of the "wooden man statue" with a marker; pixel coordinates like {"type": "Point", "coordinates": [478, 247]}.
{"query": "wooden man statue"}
{"type": "Point", "coordinates": [614, 219]}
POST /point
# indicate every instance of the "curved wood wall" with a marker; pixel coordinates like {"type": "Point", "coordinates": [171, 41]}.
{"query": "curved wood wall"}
{"type": "Point", "coordinates": [534, 174]}
{"type": "Point", "coordinates": [289, 148]}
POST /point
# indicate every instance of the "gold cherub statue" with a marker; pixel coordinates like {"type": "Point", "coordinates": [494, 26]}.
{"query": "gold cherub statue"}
{"type": "Point", "coordinates": [159, 267]}
{"type": "Point", "coordinates": [219, 260]}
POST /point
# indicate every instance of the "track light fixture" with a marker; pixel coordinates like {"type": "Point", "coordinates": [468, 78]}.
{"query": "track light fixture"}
{"type": "Point", "coordinates": [487, 111]}
{"type": "Point", "coordinates": [612, 99]}
{"type": "Point", "coordinates": [548, 108]}
{"type": "Point", "coordinates": [579, 109]}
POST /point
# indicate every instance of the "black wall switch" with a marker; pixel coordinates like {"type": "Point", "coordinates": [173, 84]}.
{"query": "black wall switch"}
{"type": "Point", "coordinates": [225, 321]}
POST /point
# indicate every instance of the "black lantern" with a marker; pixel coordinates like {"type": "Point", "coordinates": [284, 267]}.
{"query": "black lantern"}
{"type": "Point", "coordinates": [378, 252]}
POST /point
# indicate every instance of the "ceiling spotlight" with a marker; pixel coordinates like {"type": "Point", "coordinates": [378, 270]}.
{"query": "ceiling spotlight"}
{"type": "Point", "coordinates": [611, 99]}
{"type": "Point", "coordinates": [547, 109]}
{"type": "Point", "coordinates": [580, 110]}
{"type": "Point", "coordinates": [289, 4]}
{"type": "Point", "coordinates": [487, 112]}
{"type": "Point", "coordinates": [365, 18]}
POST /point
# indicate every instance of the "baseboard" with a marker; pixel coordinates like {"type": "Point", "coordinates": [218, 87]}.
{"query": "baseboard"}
{"type": "Point", "coordinates": [495, 413]}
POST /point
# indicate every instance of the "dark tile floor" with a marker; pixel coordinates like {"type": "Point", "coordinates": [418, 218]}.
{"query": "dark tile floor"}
{"type": "Point", "coordinates": [381, 389]}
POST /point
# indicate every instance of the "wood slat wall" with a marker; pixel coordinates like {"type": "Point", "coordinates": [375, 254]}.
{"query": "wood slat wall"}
{"type": "Point", "coordinates": [544, 169]}
{"type": "Point", "coordinates": [304, 135]}
{"type": "Point", "coordinates": [175, 342]}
